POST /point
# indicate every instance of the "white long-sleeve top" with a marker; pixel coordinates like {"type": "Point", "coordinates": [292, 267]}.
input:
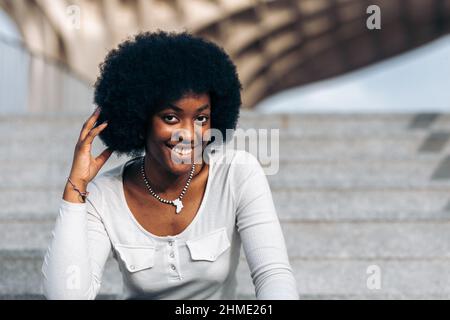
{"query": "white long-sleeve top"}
{"type": "Point", "coordinates": [198, 263]}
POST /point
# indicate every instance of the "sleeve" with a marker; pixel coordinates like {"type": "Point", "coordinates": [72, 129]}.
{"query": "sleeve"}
{"type": "Point", "coordinates": [261, 234]}
{"type": "Point", "coordinates": [79, 247]}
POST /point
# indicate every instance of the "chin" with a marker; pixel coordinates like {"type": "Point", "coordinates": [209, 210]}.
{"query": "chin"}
{"type": "Point", "coordinates": [180, 163]}
{"type": "Point", "coordinates": [178, 166]}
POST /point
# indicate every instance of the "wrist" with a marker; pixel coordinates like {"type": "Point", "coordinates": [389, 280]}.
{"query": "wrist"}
{"type": "Point", "coordinates": [80, 188]}
{"type": "Point", "coordinates": [79, 183]}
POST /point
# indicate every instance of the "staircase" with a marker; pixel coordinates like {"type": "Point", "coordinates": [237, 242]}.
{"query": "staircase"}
{"type": "Point", "coordinates": [363, 200]}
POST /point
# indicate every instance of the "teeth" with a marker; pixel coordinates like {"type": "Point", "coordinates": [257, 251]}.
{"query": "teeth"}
{"type": "Point", "coordinates": [182, 151]}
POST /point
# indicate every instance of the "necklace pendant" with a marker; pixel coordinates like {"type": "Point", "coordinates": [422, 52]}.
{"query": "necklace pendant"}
{"type": "Point", "coordinates": [178, 204]}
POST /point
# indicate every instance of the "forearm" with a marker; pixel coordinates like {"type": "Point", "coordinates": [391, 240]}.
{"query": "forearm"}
{"type": "Point", "coordinates": [277, 284]}
{"type": "Point", "coordinates": [67, 267]}
{"type": "Point", "coordinates": [268, 260]}
{"type": "Point", "coordinates": [261, 234]}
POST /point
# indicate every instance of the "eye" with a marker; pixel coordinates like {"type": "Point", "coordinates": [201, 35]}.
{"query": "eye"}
{"type": "Point", "coordinates": [168, 118]}
{"type": "Point", "coordinates": [204, 117]}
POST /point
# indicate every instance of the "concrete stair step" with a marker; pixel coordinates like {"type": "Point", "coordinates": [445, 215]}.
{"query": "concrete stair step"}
{"type": "Point", "coordinates": [21, 275]}
{"type": "Point", "coordinates": [400, 279]}
{"type": "Point", "coordinates": [312, 123]}
{"type": "Point", "coordinates": [62, 128]}
{"type": "Point", "coordinates": [336, 123]}
{"type": "Point", "coordinates": [304, 240]}
{"type": "Point", "coordinates": [63, 132]}
{"type": "Point", "coordinates": [362, 204]}
{"type": "Point", "coordinates": [311, 148]}
{"type": "Point", "coordinates": [29, 134]}
{"type": "Point", "coordinates": [318, 278]}
{"type": "Point", "coordinates": [336, 204]}
{"type": "Point", "coordinates": [349, 173]}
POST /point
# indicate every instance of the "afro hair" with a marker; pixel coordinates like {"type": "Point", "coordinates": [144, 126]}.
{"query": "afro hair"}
{"type": "Point", "coordinates": [152, 69]}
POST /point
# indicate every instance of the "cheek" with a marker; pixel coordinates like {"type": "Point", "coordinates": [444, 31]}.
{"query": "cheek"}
{"type": "Point", "coordinates": [161, 131]}
{"type": "Point", "coordinates": [165, 133]}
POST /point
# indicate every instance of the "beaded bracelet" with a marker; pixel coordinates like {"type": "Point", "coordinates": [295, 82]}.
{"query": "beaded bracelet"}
{"type": "Point", "coordinates": [82, 194]}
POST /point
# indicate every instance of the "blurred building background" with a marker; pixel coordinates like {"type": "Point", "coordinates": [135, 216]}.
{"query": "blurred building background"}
{"type": "Point", "coordinates": [364, 180]}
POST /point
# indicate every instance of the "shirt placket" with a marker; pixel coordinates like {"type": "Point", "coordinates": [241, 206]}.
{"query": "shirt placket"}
{"type": "Point", "coordinates": [173, 259]}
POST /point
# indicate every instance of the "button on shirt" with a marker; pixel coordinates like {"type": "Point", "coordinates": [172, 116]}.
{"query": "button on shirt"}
{"type": "Point", "coordinates": [198, 263]}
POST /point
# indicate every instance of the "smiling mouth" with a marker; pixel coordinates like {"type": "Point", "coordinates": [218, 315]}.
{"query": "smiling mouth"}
{"type": "Point", "coordinates": [180, 151]}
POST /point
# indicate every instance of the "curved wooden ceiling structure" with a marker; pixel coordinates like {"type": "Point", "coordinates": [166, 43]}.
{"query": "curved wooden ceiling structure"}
{"type": "Point", "coordinates": [276, 44]}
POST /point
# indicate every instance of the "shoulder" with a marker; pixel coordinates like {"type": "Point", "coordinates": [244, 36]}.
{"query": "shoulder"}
{"type": "Point", "coordinates": [108, 176]}
{"type": "Point", "coordinates": [104, 179]}
{"type": "Point", "coordinates": [233, 157]}
{"type": "Point", "coordinates": [244, 162]}
{"type": "Point", "coordinates": [239, 164]}
{"type": "Point", "coordinates": [246, 158]}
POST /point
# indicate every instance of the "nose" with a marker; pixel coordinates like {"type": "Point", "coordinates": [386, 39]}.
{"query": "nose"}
{"type": "Point", "coordinates": [187, 134]}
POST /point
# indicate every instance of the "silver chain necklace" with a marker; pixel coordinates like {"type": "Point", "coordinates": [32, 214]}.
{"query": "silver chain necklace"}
{"type": "Point", "coordinates": [177, 202]}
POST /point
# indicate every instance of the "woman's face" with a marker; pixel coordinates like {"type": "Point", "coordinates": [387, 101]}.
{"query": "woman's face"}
{"type": "Point", "coordinates": [180, 124]}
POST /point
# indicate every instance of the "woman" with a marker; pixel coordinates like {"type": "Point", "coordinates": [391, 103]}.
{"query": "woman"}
{"type": "Point", "coordinates": [173, 221]}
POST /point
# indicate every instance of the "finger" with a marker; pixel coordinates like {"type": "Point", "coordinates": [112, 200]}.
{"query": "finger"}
{"type": "Point", "coordinates": [89, 124]}
{"type": "Point", "coordinates": [103, 157]}
{"type": "Point", "coordinates": [93, 133]}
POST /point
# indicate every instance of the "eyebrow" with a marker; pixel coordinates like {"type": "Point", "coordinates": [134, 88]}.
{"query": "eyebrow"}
{"type": "Point", "coordinates": [174, 107]}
